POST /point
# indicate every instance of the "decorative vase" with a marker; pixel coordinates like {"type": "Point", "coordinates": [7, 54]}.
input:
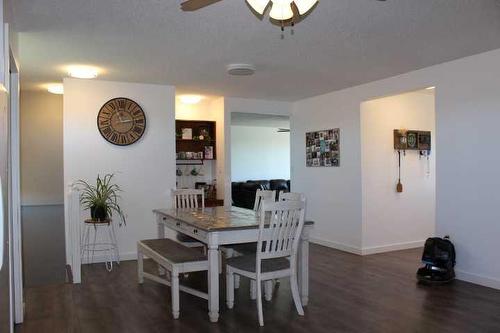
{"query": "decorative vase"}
{"type": "Point", "coordinates": [99, 213]}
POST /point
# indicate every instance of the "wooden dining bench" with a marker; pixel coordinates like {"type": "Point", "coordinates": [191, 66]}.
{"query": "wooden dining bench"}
{"type": "Point", "coordinates": [174, 258]}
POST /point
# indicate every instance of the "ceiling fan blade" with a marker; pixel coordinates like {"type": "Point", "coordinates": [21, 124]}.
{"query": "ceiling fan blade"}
{"type": "Point", "coordinates": [192, 5]}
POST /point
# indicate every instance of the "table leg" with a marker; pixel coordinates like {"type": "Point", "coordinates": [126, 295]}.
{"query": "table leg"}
{"type": "Point", "coordinates": [161, 227]}
{"type": "Point", "coordinates": [213, 282]}
{"type": "Point", "coordinates": [303, 267]}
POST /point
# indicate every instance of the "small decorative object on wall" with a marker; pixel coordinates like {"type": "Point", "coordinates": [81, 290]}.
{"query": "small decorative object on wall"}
{"type": "Point", "coordinates": [411, 140]}
{"type": "Point", "coordinates": [187, 134]}
{"type": "Point", "coordinates": [121, 121]}
{"type": "Point", "coordinates": [102, 198]}
{"type": "Point", "coordinates": [323, 148]}
{"type": "Point", "coordinates": [209, 152]}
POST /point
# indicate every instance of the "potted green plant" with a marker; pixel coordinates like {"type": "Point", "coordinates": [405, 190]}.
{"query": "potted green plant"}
{"type": "Point", "coordinates": [102, 198]}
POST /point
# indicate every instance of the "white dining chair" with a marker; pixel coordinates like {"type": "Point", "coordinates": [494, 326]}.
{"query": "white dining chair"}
{"type": "Point", "coordinates": [291, 196]}
{"type": "Point", "coordinates": [249, 248]}
{"type": "Point", "coordinates": [280, 227]}
{"type": "Point", "coordinates": [188, 199]}
{"type": "Point", "coordinates": [261, 196]}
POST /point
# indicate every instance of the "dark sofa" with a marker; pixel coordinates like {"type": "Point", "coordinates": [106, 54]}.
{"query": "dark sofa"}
{"type": "Point", "coordinates": [243, 193]}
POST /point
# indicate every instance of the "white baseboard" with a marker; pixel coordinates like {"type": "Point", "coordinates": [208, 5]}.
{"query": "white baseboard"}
{"type": "Point", "coordinates": [392, 247]}
{"type": "Point", "coordinates": [478, 279]}
{"type": "Point", "coordinates": [367, 250]}
{"type": "Point", "coordinates": [336, 245]}
{"type": "Point", "coordinates": [100, 258]}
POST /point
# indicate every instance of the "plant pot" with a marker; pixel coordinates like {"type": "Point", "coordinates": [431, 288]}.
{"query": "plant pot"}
{"type": "Point", "coordinates": [99, 213]}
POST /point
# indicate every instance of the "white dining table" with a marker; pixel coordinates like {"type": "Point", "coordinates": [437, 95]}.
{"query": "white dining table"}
{"type": "Point", "coordinates": [217, 226]}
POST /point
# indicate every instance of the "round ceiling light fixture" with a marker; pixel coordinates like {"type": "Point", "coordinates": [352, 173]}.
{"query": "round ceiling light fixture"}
{"type": "Point", "coordinates": [83, 72]}
{"type": "Point", "coordinates": [55, 88]}
{"type": "Point", "coordinates": [190, 99]}
{"type": "Point", "coordinates": [240, 69]}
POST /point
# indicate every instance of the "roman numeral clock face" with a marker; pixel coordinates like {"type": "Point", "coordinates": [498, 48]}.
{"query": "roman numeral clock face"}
{"type": "Point", "coordinates": [121, 121]}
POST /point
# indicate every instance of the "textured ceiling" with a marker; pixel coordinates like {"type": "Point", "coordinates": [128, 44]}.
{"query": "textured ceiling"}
{"type": "Point", "coordinates": [340, 44]}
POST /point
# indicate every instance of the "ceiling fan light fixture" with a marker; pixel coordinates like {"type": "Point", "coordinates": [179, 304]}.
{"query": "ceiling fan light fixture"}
{"type": "Point", "coordinates": [258, 5]}
{"type": "Point", "coordinates": [304, 5]}
{"type": "Point", "coordinates": [281, 10]}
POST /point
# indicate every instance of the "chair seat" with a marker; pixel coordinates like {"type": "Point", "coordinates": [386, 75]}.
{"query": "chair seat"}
{"type": "Point", "coordinates": [172, 251]}
{"type": "Point", "coordinates": [248, 263]}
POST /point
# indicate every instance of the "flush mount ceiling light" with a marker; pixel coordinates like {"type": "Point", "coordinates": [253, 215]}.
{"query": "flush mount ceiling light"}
{"type": "Point", "coordinates": [240, 69]}
{"type": "Point", "coordinates": [55, 88]}
{"type": "Point", "coordinates": [190, 99]}
{"type": "Point", "coordinates": [83, 72]}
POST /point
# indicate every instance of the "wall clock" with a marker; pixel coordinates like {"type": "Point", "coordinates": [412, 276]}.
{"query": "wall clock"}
{"type": "Point", "coordinates": [121, 121]}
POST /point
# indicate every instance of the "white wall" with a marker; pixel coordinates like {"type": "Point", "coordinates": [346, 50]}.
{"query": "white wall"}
{"type": "Point", "coordinates": [144, 170]}
{"type": "Point", "coordinates": [333, 194]}
{"type": "Point", "coordinates": [467, 119]}
{"type": "Point", "coordinates": [259, 153]}
{"type": "Point", "coordinates": [394, 220]}
{"type": "Point", "coordinates": [41, 148]}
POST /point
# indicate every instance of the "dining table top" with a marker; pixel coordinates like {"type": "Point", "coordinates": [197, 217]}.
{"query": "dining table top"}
{"type": "Point", "coordinates": [213, 219]}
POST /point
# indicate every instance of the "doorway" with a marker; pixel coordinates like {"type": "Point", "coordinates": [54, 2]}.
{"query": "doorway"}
{"type": "Point", "coordinates": [395, 220]}
{"type": "Point", "coordinates": [260, 153]}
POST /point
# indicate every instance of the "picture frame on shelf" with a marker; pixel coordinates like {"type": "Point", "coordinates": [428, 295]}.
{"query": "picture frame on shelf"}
{"type": "Point", "coordinates": [187, 134]}
{"type": "Point", "coordinates": [209, 152]}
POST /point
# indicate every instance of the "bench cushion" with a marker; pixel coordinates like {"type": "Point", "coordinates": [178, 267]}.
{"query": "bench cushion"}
{"type": "Point", "coordinates": [173, 251]}
{"type": "Point", "coordinates": [248, 263]}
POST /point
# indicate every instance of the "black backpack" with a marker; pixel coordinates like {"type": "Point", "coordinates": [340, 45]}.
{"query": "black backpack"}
{"type": "Point", "coordinates": [439, 259]}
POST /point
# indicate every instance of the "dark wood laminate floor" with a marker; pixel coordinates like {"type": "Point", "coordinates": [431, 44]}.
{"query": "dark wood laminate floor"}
{"type": "Point", "coordinates": [348, 294]}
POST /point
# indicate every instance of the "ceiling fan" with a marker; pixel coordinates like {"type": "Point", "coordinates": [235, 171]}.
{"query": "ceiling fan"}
{"type": "Point", "coordinates": [281, 10]}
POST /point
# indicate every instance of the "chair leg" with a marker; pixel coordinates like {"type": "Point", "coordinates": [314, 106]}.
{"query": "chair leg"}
{"type": "Point", "coordinates": [253, 290]}
{"type": "Point", "coordinates": [295, 292]}
{"type": "Point", "coordinates": [230, 276]}
{"type": "Point", "coordinates": [175, 294]}
{"type": "Point", "coordinates": [259, 302]}
{"type": "Point", "coordinates": [140, 267]}
{"type": "Point", "coordinates": [268, 290]}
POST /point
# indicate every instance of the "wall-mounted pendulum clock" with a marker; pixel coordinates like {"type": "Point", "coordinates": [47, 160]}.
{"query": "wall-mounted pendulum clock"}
{"type": "Point", "coordinates": [121, 121]}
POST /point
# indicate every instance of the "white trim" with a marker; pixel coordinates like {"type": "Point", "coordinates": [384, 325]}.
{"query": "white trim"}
{"type": "Point", "coordinates": [478, 279]}
{"type": "Point", "coordinates": [392, 247]}
{"type": "Point", "coordinates": [367, 250]}
{"type": "Point", "coordinates": [336, 245]}
{"type": "Point", "coordinates": [102, 258]}
{"type": "Point", "coordinates": [17, 265]}
{"type": "Point", "coordinates": [41, 204]}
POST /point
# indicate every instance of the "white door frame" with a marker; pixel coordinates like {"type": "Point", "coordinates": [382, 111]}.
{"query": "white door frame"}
{"type": "Point", "coordinates": [16, 244]}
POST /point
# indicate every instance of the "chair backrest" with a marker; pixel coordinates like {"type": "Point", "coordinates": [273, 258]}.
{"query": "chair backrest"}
{"type": "Point", "coordinates": [261, 196]}
{"type": "Point", "coordinates": [280, 227]}
{"type": "Point", "coordinates": [188, 199]}
{"type": "Point", "coordinates": [291, 196]}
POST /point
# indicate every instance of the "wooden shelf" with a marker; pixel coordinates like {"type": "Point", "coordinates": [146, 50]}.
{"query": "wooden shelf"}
{"type": "Point", "coordinates": [193, 141]}
{"type": "Point", "coordinates": [196, 146]}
